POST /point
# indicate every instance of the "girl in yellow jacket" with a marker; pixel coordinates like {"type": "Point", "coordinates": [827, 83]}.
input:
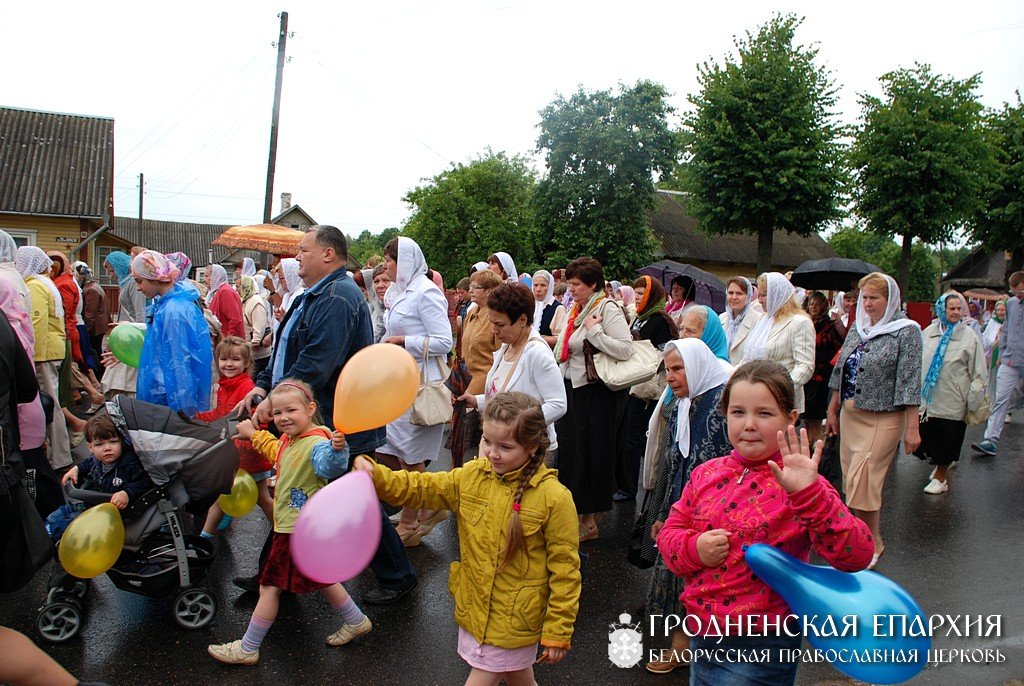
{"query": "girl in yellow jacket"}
{"type": "Point", "coordinates": [518, 583]}
{"type": "Point", "coordinates": [306, 457]}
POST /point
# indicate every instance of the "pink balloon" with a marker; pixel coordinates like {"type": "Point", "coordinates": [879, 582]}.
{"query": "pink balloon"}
{"type": "Point", "coordinates": [338, 530]}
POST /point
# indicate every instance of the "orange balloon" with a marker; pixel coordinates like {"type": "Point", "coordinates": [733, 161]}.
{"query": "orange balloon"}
{"type": "Point", "coordinates": [376, 386]}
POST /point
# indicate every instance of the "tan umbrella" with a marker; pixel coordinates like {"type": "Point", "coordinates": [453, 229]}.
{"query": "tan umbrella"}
{"type": "Point", "coordinates": [984, 294]}
{"type": "Point", "coordinates": [269, 238]}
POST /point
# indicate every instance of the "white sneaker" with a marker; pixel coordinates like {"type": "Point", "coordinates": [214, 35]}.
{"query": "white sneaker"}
{"type": "Point", "coordinates": [935, 487]}
{"type": "Point", "coordinates": [951, 465]}
{"type": "Point", "coordinates": [349, 632]}
{"type": "Point", "coordinates": [232, 653]}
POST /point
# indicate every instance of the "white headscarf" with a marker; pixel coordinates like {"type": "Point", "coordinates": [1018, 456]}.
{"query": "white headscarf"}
{"type": "Point", "coordinates": [412, 266]}
{"type": "Point", "coordinates": [508, 265]}
{"type": "Point", "coordinates": [887, 324]}
{"type": "Point", "coordinates": [732, 322]}
{"type": "Point", "coordinates": [218, 277]}
{"type": "Point", "coordinates": [32, 263]}
{"type": "Point", "coordinates": [704, 371]}
{"type": "Point", "coordinates": [8, 248]}
{"type": "Point", "coordinates": [549, 297]}
{"type": "Point", "coordinates": [780, 291]}
{"type": "Point", "coordinates": [480, 266]}
{"type": "Point", "coordinates": [248, 267]}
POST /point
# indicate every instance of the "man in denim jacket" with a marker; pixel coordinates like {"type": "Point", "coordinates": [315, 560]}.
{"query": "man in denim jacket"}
{"type": "Point", "coordinates": [325, 326]}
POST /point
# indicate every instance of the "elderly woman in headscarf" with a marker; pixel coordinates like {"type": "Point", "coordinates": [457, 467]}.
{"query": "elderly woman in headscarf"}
{"type": "Point", "coordinates": [548, 313]}
{"type": "Point", "coordinates": [740, 316]}
{"type": "Point", "coordinates": [50, 333]}
{"type": "Point", "coordinates": [256, 311]}
{"type": "Point", "coordinates": [627, 298]}
{"type": "Point", "coordinates": [364, 278]}
{"type": "Point", "coordinates": [176, 364]}
{"type": "Point", "coordinates": [784, 334]}
{"type": "Point", "coordinates": [224, 302]}
{"type": "Point", "coordinates": [501, 263]}
{"type": "Point", "coordinates": [686, 429]}
{"type": "Point", "coordinates": [9, 272]}
{"type": "Point", "coordinates": [952, 386]}
{"type": "Point", "coordinates": [877, 381]}
{"type": "Point", "coordinates": [700, 321]}
{"type": "Point", "coordinates": [416, 320]}
{"type": "Point", "coordinates": [247, 267]}
{"type": "Point", "coordinates": [650, 324]}
{"type": "Point", "coordinates": [287, 284]}
{"type": "Point", "coordinates": [990, 341]}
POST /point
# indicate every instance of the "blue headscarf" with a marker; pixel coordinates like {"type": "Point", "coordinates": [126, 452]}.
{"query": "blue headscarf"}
{"type": "Point", "coordinates": [714, 335]}
{"type": "Point", "coordinates": [932, 377]}
{"type": "Point", "coordinates": [121, 264]}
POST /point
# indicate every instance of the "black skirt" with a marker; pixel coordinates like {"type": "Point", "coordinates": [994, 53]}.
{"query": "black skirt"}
{"type": "Point", "coordinates": [941, 440]}
{"type": "Point", "coordinates": [816, 397]}
{"type": "Point", "coordinates": [588, 441]}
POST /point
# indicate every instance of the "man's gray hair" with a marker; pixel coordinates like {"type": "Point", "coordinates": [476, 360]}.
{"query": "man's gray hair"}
{"type": "Point", "coordinates": [328, 236]}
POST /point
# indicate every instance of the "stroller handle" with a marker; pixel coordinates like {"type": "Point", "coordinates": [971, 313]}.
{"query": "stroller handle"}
{"type": "Point", "coordinates": [86, 496]}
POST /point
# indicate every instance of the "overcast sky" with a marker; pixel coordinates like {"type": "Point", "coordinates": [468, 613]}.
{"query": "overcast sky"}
{"type": "Point", "coordinates": [378, 96]}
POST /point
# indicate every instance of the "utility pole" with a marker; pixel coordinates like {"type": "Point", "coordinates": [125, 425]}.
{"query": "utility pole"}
{"type": "Point", "coordinates": [272, 161]}
{"type": "Point", "coordinates": [140, 206]}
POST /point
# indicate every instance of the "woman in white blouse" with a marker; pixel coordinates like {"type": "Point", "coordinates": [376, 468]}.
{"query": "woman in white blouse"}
{"type": "Point", "coordinates": [417, 320]}
{"type": "Point", "coordinates": [784, 334]}
{"type": "Point", "coordinates": [740, 316]}
{"type": "Point", "coordinates": [524, 361]}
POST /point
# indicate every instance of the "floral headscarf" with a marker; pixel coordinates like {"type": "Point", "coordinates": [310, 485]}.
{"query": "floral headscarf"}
{"type": "Point", "coordinates": [246, 287]}
{"type": "Point", "coordinates": [13, 305]}
{"type": "Point", "coordinates": [153, 266]}
{"type": "Point", "coordinates": [182, 262]}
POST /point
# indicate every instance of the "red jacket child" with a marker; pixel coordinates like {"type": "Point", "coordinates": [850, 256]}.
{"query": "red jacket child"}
{"type": "Point", "coordinates": [230, 392]}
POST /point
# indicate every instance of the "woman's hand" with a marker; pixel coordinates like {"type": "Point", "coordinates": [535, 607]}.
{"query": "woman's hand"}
{"type": "Point", "coordinates": [278, 313]}
{"type": "Point", "coordinates": [832, 424]}
{"type": "Point", "coordinates": [551, 655]}
{"type": "Point", "coordinates": [396, 340]}
{"type": "Point", "coordinates": [911, 439]}
{"type": "Point", "coordinates": [108, 360]}
{"type": "Point", "coordinates": [656, 529]}
{"type": "Point", "coordinates": [338, 441]}
{"type": "Point", "coordinates": [799, 466]}
{"type": "Point", "coordinates": [246, 430]}
{"type": "Point", "coordinates": [467, 398]}
{"type": "Point", "coordinates": [361, 464]}
{"type": "Point", "coordinates": [592, 320]}
{"type": "Point", "coordinates": [267, 340]}
{"type": "Point", "coordinates": [713, 547]}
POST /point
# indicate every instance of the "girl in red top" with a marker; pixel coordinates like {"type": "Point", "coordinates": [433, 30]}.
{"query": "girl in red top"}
{"type": "Point", "coordinates": [234, 359]}
{"type": "Point", "coordinates": [766, 491]}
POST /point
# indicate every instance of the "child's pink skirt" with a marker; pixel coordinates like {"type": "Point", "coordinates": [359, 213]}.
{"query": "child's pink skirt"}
{"type": "Point", "coordinates": [492, 659]}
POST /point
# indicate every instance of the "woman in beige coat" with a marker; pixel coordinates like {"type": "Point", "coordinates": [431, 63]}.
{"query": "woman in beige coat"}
{"type": "Point", "coordinates": [953, 376]}
{"type": "Point", "coordinates": [740, 316]}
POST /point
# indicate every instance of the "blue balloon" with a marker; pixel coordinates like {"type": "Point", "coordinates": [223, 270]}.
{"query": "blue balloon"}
{"type": "Point", "coordinates": [890, 625]}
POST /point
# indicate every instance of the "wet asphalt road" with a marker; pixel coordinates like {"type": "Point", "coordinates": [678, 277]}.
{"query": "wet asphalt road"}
{"type": "Point", "coordinates": [959, 554]}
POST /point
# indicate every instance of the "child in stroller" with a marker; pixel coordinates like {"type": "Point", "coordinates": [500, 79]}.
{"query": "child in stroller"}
{"type": "Point", "coordinates": [191, 463]}
{"type": "Point", "coordinates": [112, 467]}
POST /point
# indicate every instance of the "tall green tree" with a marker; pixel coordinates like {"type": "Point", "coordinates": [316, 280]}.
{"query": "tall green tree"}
{"type": "Point", "coordinates": [1001, 224]}
{"type": "Point", "coordinates": [602, 150]}
{"type": "Point", "coordinates": [368, 244]}
{"type": "Point", "coordinates": [472, 210]}
{"type": "Point", "coordinates": [922, 158]}
{"type": "Point", "coordinates": [884, 253]}
{"type": "Point", "coordinates": [763, 142]}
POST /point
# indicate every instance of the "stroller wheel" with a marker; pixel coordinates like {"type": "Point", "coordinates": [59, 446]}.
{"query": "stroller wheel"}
{"type": "Point", "coordinates": [59, 621]}
{"type": "Point", "coordinates": [194, 608]}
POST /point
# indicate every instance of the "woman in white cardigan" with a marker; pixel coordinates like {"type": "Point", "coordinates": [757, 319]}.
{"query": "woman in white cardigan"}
{"type": "Point", "coordinates": [524, 361]}
{"type": "Point", "coordinates": [785, 334]}
{"type": "Point", "coordinates": [740, 316]}
{"type": "Point", "coordinates": [416, 319]}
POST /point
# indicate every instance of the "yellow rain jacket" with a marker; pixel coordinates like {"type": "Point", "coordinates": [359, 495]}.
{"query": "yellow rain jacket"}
{"type": "Point", "coordinates": [536, 596]}
{"type": "Point", "coordinates": [46, 325]}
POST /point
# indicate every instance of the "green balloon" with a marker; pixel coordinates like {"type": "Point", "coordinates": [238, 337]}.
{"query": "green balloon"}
{"type": "Point", "coordinates": [126, 343]}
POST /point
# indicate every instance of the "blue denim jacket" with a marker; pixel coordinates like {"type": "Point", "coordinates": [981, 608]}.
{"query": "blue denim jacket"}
{"type": "Point", "coordinates": [333, 325]}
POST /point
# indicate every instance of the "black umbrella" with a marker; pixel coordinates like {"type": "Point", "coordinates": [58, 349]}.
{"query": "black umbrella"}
{"type": "Point", "coordinates": [831, 273]}
{"type": "Point", "coordinates": [701, 287]}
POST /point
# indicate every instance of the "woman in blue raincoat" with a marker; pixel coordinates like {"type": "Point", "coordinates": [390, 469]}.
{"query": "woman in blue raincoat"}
{"type": "Point", "coordinates": [175, 368]}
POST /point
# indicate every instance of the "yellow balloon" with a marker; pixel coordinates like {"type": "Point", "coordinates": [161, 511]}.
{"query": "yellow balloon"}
{"type": "Point", "coordinates": [242, 498]}
{"type": "Point", "coordinates": [376, 386]}
{"type": "Point", "coordinates": [92, 542]}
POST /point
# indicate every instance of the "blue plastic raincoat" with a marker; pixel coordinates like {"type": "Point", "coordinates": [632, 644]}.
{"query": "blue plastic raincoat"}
{"type": "Point", "coordinates": [176, 365]}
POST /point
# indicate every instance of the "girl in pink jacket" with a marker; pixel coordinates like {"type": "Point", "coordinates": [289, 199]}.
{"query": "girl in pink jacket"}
{"type": "Point", "coordinates": [766, 491]}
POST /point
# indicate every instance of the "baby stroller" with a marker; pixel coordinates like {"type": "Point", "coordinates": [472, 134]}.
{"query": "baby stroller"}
{"type": "Point", "coordinates": [191, 463]}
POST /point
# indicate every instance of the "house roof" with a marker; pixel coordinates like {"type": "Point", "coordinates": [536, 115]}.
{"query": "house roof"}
{"type": "Point", "coordinates": [302, 218]}
{"type": "Point", "coordinates": [55, 164]}
{"type": "Point", "coordinates": [192, 239]}
{"type": "Point", "coordinates": [682, 240]}
{"type": "Point", "coordinates": [982, 268]}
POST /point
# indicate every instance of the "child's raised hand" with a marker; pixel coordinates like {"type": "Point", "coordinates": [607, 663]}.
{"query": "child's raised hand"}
{"type": "Point", "coordinates": [246, 429]}
{"type": "Point", "coordinates": [713, 547]}
{"type": "Point", "coordinates": [363, 465]}
{"type": "Point", "coordinates": [70, 475]}
{"type": "Point", "coordinates": [799, 466]}
{"type": "Point", "coordinates": [119, 500]}
{"type": "Point", "coordinates": [551, 655]}
{"type": "Point", "coordinates": [337, 440]}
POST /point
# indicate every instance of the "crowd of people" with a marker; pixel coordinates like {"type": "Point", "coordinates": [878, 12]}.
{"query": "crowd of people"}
{"type": "Point", "coordinates": [560, 445]}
